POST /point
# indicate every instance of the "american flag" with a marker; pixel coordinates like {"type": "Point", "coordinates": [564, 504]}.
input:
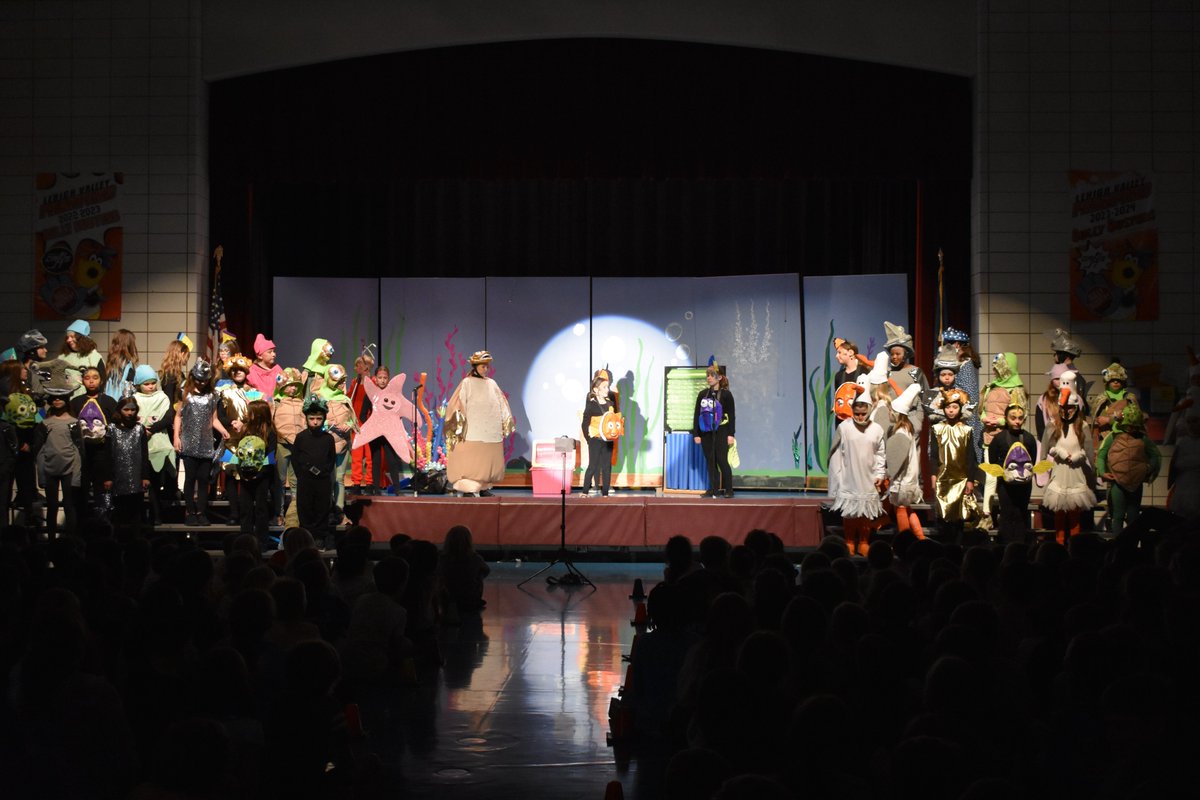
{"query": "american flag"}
{"type": "Point", "coordinates": [216, 308]}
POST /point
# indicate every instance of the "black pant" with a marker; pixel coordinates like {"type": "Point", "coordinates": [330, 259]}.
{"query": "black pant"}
{"type": "Point", "coordinates": [162, 489]}
{"type": "Point", "coordinates": [716, 455]}
{"type": "Point", "coordinates": [314, 496]}
{"type": "Point", "coordinates": [254, 497]}
{"type": "Point", "coordinates": [6, 488]}
{"type": "Point", "coordinates": [127, 509]}
{"type": "Point", "coordinates": [91, 484]}
{"type": "Point", "coordinates": [379, 446]}
{"type": "Point", "coordinates": [1014, 510]}
{"type": "Point", "coordinates": [69, 496]}
{"type": "Point", "coordinates": [599, 468]}
{"type": "Point", "coordinates": [26, 478]}
{"type": "Point", "coordinates": [196, 472]}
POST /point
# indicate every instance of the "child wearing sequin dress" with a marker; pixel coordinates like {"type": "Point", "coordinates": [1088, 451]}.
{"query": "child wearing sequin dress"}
{"type": "Point", "coordinates": [194, 425]}
{"type": "Point", "coordinates": [128, 459]}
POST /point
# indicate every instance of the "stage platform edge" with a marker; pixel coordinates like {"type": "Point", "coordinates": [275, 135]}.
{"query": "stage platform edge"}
{"type": "Point", "coordinates": [623, 520]}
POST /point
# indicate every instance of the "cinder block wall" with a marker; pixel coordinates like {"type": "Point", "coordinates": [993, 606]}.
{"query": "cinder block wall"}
{"type": "Point", "coordinates": [109, 86]}
{"type": "Point", "coordinates": [1106, 85]}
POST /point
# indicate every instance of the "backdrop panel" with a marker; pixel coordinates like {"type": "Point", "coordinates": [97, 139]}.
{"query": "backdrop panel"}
{"type": "Point", "coordinates": [432, 325]}
{"type": "Point", "coordinates": [750, 323]}
{"type": "Point", "coordinates": [343, 310]}
{"type": "Point", "coordinates": [538, 331]}
{"type": "Point", "coordinates": [850, 307]}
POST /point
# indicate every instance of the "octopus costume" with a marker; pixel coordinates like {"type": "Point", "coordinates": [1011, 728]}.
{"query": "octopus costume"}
{"type": "Point", "coordinates": [478, 419]}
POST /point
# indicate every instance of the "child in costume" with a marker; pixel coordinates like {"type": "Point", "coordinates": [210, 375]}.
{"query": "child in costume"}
{"type": "Point", "coordinates": [227, 349]}
{"type": "Point", "coordinates": [78, 351]}
{"type": "Point", "coordinates": [843, 409]}
{"type": "Point", "coordinates": [382, 453]}
{"type": "Point", "coordinates": [314, 368]}
{"type": "Point", "coordinates": [1110, 405]}
{"type": "Point", "coordinates": [94, 410]}
{"type": "Point", "coordinates": [56, 445]}
{"type": "Point", "coordinates": [713, 423]}
{"type": "Point", "coordinates": [9, 448]}
{"type": "Point", "coordinates": [172, 372]}
{"type": "Point", "coordinates": [1066, 350]}
{"type": "Point", "coordinates": [287, 418]}
{"type": "Point", "coordinates": [600, 444]}
{"type": "Point", "coordinates": [255, 471]}
{"type": "Point", "coordinates": [967, 378]}
{"type": "Point", "coordinates": [1068, 443]}
{"type": "Point", "coordinates": [1011, 462]}
{"type": "Point", "coordinates": [904, 464]}
{"type": "Point", "coordinates": [157, 415]}
{"type": "Point", "coordinates": [121, 363]}
{"type": "Point", "coordinates": [862, 453]}
{"type": "Point", "coordinates": [852, 364]}
{"type": "Point", "coordinates": [1127, 458]}
{"type": "Point", "coordinates": [359, 392]}
{"type": "Point", "coordinates": [264, 372]}
{"type": "Point", "coordinates": [21, 412]}
{"type": "Point", "coordinates": [1006, 389]}
{"type": "Point", "coordinates": [235, 393]}
{"type": "Point", "coordinates": [945, 376]}
{"type": "Point", "coordinates": [313, 457]}
{"type": "Point", "coordinates": [1183, 478]}
{"type": "Point", "coordinates": [477, 421]}
{"type": "Point", "coordinates": [952, 459]}
{"type": "Point", "coordinates": [128, 464]}
{"type": "Point", "coordinates": [195, 421]}
{"type": "Point", "coordinates": [901, 372]}
{"type": "Point", "coordinates": [342, 422]}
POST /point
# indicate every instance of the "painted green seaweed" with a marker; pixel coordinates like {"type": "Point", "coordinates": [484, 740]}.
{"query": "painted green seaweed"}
{"type": "Point", "coordinates": [632, 452]}
{"type": "Point", "coordinates": [821, 394]}
{"type": "Point", "coordinates": [392, 350]}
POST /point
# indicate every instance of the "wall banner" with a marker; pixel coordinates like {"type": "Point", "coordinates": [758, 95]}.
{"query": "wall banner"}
{"type": "Point", "coordinates": [78, 246]}
{"type": "Point", "coordinates": [1114, 247]}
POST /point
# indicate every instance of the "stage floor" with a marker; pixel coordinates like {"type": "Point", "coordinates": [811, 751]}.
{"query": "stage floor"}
{"type": "Point", "coordinates": [630, 519]}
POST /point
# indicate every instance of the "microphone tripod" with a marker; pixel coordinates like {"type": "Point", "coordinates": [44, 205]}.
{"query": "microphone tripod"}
{"type": "Point", "coordinates": [573, 577]}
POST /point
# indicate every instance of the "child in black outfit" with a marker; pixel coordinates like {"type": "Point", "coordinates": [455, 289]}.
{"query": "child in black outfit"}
{"type": "Point", "coordinates": [600, 401]}
{"type": "Point", "coordinates": [128, 463]}
{"type": "Point", "coordinates": [95, 410]}
{"type": "Point", "coordinates": [314, 457]}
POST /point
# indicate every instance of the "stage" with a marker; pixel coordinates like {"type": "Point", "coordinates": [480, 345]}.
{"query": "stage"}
{"type": "Point", "coordinates": [634, 519]}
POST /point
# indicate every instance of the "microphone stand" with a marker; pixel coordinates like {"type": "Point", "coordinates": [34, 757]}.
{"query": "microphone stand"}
{"type": "Point", "coordinates": [573, 577]}
{"type": "Point", "coordinates": [413, 465]}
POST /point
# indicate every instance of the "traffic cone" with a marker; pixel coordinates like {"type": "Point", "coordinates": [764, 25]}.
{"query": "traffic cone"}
{"type": "Point", "coordinates": [640, 617]}
{"type": "Point", "coordinates": [639, 593]}
{"type": "Point", "coordinates": [614, 791]}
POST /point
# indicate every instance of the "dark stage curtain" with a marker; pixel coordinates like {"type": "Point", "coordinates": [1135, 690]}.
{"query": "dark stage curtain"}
{"type": "Point", "coordinates": [587, 157]}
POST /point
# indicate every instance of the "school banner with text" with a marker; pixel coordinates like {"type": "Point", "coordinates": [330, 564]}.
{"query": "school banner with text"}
{"type": "Point", "coordinates": [1114, 247]}
{"type": "Point", "coordinates": [78, 246]}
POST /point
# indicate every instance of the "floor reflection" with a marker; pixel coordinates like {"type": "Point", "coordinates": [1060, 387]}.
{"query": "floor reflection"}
{"type": "Point", "coordinates": [520, 708]}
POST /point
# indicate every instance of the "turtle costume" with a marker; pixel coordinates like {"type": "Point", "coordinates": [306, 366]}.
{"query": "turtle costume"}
{"type": "Point", "coordinates": [1132, 460]}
